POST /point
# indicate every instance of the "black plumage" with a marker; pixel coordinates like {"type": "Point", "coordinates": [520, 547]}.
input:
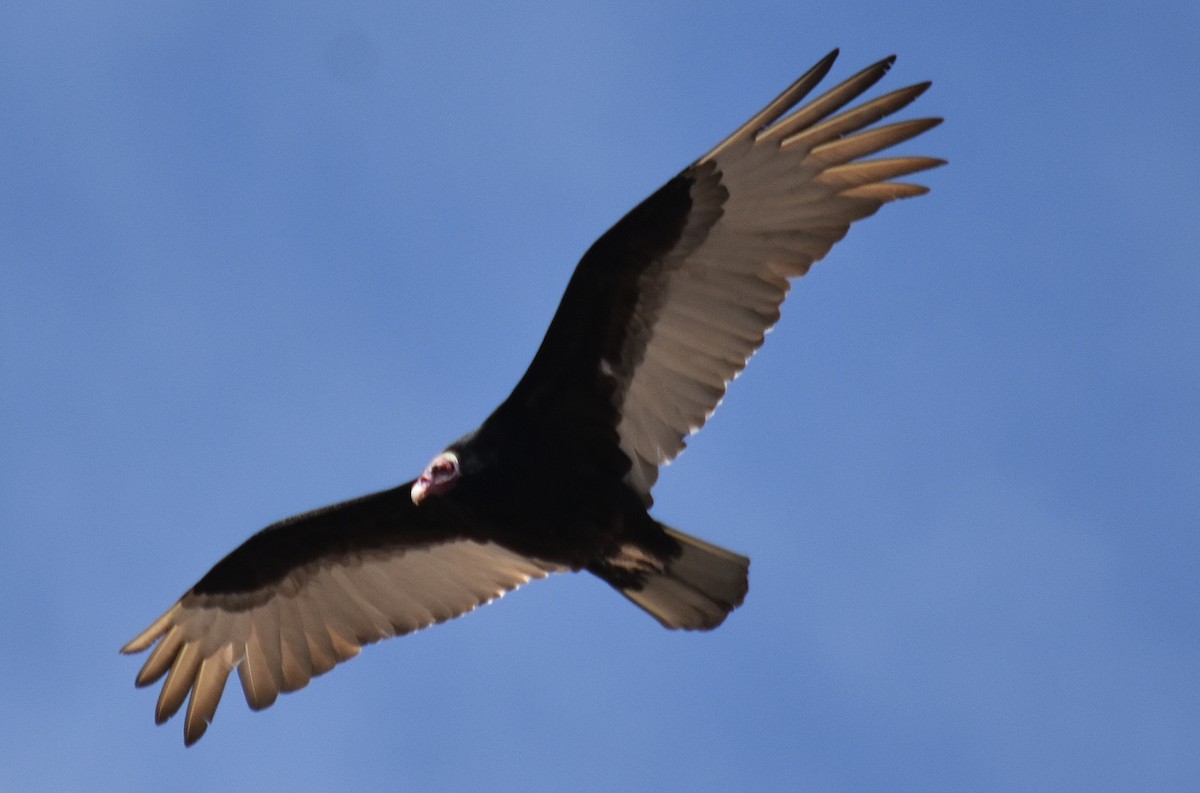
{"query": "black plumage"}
{"type": "Point", "coordinates": [661, 313]}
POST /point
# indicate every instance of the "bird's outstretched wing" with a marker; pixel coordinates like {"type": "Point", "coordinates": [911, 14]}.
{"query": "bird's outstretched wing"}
{"type": "Point", "coordinates": [668, 306]}
{"type": "Point", "coordinates": [307, 593]}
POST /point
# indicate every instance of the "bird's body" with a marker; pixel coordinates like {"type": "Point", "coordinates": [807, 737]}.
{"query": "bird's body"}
{"type": "Point", "coordinates": [661, 313]}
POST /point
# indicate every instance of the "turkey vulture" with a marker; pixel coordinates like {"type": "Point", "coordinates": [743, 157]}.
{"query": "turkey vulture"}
{"type": "Point", "coordinates": [660, 314]}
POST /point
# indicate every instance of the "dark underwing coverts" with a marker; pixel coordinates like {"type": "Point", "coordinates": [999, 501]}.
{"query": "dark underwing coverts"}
{"type": "Point", "coordinates": [661, 313]}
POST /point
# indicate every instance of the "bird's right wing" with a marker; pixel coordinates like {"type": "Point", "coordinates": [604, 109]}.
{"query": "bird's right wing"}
{"type": "Point", "coordinates": [668, 305]}
{"type": "Point", "coordinates": [307, 593]}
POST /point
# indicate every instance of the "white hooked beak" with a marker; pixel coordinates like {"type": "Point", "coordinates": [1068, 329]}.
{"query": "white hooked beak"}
{"type": "Point", "coordinates": [439, 477]}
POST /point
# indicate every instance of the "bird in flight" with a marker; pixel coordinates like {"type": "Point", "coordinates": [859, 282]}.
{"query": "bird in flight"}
{"type": "Point", "coordinates": [660, 314]}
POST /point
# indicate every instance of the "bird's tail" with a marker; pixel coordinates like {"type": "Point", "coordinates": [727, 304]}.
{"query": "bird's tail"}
{"type": "Point", "coordinates": [694, 588]}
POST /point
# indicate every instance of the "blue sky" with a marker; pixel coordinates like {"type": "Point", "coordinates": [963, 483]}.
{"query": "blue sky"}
{"type": "Point", "coordinates": [258, 259]}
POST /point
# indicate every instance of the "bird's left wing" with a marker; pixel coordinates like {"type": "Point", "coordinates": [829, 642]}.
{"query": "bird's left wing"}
{"type": "Point", "coordinates": [668, 306]}
{"type": "Point", "coordinates": [309, 592]}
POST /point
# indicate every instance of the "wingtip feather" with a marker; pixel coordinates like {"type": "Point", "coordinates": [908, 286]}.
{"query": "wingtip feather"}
{"type": "Point", "coordinates": [829, 102]}
{"type": "Point", "coordinates": [884, 192]}
{"type": "Point", "coordinates": [179, 682]}
{"type": "Point", "coordinates": [161, 659]}
{"type": "Point", "coordinates": [206, 694]}
{"type": "Point", "coordinates": [152, 634]}
{"type": "Point", "coordinates": [789, 98]}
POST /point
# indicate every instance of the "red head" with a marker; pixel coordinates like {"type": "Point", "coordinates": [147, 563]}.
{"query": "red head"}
{"type": "Point", "coordinates": [439, 477]}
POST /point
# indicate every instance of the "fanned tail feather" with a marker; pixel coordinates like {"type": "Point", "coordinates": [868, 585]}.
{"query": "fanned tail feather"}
{"type": "Point", "coordinates": [695, 590]}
